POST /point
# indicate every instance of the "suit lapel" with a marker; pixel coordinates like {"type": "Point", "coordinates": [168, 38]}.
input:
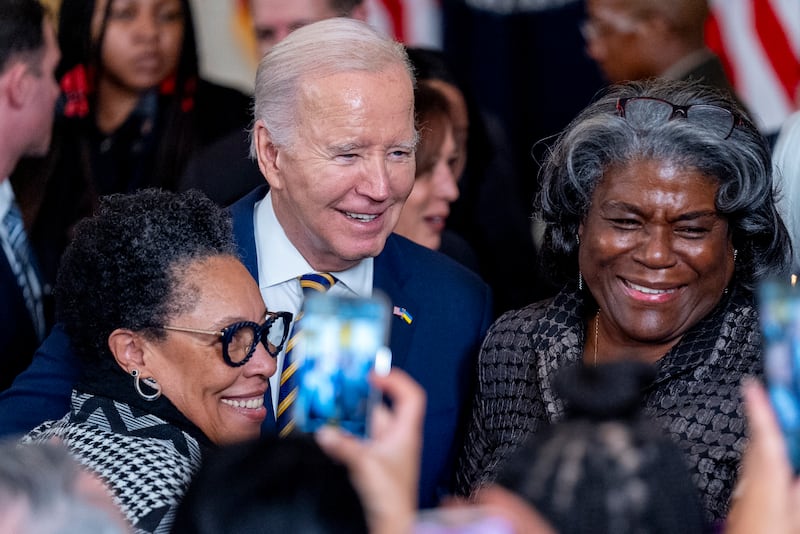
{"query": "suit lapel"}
{"type": "Point", "coordinates": [242, 213]}
{"type": "Point", "coordinates": [390, 276]}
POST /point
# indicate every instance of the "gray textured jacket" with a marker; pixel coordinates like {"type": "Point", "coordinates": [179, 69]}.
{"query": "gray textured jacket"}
{"type": "Point", "coordinates": [695, 396]}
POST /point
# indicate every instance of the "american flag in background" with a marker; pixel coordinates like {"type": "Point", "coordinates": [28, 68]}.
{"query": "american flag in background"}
{"type": "Point", "coordinates": [759, 44]}
{"type": "Point", "coordinates": [414, 22]}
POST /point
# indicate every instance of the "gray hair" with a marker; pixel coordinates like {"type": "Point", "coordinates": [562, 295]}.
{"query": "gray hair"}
{"type": "Point", "coordinates": [320, 49]}
{"type": "Point", "coordinates": [40, 480]}
{"type": "Point", "coordinates": [600, 138]}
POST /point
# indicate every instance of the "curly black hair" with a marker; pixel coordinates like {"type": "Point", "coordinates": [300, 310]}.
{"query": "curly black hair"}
{"type": "Point", "coordinates": [600, 138]}
{"type": "Point", "coordinates": [124, 267]}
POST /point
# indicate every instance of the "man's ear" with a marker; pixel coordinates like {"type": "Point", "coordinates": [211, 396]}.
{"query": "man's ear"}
{"type": "Point", "coordinates": [267, 155]}
{"type": "Point", "coordinates": [128, 349]}
{"type": "Point", "coordinates": [17, 83]}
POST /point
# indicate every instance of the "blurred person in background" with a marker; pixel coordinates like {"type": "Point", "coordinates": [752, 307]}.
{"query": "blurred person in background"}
{"type": "Point", "coordinates": [133, 108]}
{"type": "Point", "coordinates": [641, 39]}
{"type": "Point", "coordinates": [488, 212]}
{"type": "Point", "coordinates": [28, 92]}
{"type": "Point", "coordinates": [426, 209]}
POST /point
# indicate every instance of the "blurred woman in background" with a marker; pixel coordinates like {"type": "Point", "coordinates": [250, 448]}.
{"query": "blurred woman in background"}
{"type": "Point", "coordinates": [133, 109]}
{"type": "Point", "coordinates": [439, 161]}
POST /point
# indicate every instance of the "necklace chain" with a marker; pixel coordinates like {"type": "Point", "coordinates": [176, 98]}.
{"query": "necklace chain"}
{"type": "Point", "coordinates": [596, 334]}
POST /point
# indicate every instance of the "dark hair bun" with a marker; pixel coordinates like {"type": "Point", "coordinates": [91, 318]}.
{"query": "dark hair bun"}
{"type": "Point", "coordinates": [610, 391]}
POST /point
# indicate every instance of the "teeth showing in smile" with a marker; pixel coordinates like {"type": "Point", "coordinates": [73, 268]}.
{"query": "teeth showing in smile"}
{"type": "Point", "coordinates": [251, 404]}
{"type": "Point", "coordinates": [361, 216]}
{"type": "Point", "coordinates": [648, 290]}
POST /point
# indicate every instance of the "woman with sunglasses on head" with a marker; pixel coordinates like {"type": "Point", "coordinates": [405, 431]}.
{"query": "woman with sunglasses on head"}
{"type": "Point", "coordinates": [176, 343]}
{"type": "Point", "coordinates": [133, 109]}
{"type": "Point", "coordinates": [661, 220]}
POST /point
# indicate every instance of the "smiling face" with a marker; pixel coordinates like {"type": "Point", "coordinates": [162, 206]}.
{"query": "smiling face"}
{"type": "Point", "coordinates": [425, 212]}
{"type": "Point", "coordinates": [142, 42]}
{"type": "Point", "coordinates": [339, 188]}
{"type": "Point", "coordinates": [654, 252]}
{"type": "Point", "coordinates": [226, 403]}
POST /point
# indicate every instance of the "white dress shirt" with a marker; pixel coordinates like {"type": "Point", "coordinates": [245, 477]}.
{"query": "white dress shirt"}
{"type": "Point", "coordinates": [279, 267]}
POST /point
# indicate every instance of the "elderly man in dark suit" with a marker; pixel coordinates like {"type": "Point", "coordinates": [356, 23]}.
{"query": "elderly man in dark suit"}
{"type": "Point", "coordinates": [334, 136]}
{"type": "Point", "coordinates": [28, 91]}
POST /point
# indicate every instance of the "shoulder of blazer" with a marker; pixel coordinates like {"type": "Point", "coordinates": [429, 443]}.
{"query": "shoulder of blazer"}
{"type": "Point", "coordinates": [242, 214]}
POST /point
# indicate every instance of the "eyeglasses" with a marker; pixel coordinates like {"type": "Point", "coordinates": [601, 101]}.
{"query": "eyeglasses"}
{"type": "Point", "coordinates": [641, 110]}
{"type": "Point", "coordinates": [239, 340]}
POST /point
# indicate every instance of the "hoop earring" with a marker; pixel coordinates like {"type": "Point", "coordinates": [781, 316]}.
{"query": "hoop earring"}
{"type": "Point", "coordinates": [150, 382]}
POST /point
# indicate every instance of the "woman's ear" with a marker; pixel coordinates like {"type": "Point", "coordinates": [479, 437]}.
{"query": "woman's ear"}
{"type": "Point", "coordinates": [128, 349]}
{"type": "Point", "coordinates": [267, 155]}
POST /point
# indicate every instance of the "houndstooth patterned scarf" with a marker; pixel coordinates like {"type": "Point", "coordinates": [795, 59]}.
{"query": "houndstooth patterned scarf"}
{"type": "Point", "coordinates": [146, 462]}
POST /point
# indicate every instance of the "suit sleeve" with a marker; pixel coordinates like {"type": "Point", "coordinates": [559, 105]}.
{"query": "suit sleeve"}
{"type": "Point", "coordinates": [42, 391]}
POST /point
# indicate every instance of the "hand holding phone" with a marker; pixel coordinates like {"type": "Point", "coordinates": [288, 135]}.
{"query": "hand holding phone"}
{"type": "Point", "coordinates": [779, 308]}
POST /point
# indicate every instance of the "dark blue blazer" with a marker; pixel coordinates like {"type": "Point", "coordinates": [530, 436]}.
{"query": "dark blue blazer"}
{"type": "Point", "coordinates": [18, 340]}
{"type": "Point", "coordinates": [451, 309]}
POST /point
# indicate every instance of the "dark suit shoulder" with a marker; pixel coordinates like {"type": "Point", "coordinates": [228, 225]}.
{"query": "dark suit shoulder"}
{"type": "Point", "coordinates": [437, 267]}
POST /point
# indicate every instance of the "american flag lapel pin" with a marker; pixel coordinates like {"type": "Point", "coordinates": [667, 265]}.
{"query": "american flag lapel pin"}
{"type": "Point", "coordinates": [403, 314]}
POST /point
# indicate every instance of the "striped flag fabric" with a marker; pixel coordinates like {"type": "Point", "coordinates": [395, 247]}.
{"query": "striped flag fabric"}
{"type": "Point", "coordinates": [759, 44]}
{"type": "Point", "coordinates": [414, 22]}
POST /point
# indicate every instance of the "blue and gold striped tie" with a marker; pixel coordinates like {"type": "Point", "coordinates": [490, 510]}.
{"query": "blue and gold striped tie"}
{"type": "Point", "coordinates": [310, 283]}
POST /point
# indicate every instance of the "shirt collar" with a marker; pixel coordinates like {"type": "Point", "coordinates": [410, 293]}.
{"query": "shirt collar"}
{"type": "Point", "coordinates": [279, 261]}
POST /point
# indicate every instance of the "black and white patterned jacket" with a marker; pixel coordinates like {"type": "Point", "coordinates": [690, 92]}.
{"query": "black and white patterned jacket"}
{"type": "Point", "coordinates": [145, 461]}
{"type": "Point", "coordinates": [695, 396]}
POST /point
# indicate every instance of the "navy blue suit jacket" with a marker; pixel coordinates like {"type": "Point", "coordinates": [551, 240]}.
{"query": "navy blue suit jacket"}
{"type": "Point", "coordinates": [18, 340]}
{"type": "Point", "coordinates": [451, 310]}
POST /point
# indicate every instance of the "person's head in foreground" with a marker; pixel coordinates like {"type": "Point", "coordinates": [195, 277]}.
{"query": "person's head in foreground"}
{"type": "Point", "coordinates": [43, 490]}
{"type": "Point", "coordinates": [334, 136]}
{"type": "Point", "coordinates": [164, 314]}
{"type": "Point", "coordinates": [658, 198]}
{"type": "Point", "coordinates": [426, 209]}
{"type": "Point", "coordinates": [604, 469]}
{"type": "Point", "coordinates": [275, 485]}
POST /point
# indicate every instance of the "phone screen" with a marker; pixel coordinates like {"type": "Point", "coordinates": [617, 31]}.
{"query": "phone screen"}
{"type": "Point", "coordinates": [343, 340]}
{"type": "Point", "coordinates": [779, 310]}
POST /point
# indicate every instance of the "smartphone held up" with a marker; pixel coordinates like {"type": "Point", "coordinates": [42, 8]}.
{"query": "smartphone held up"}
{"type": "Point", "coordinates": [779, 310]}
{"type": "Point", "coordinates": [343, 340]}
